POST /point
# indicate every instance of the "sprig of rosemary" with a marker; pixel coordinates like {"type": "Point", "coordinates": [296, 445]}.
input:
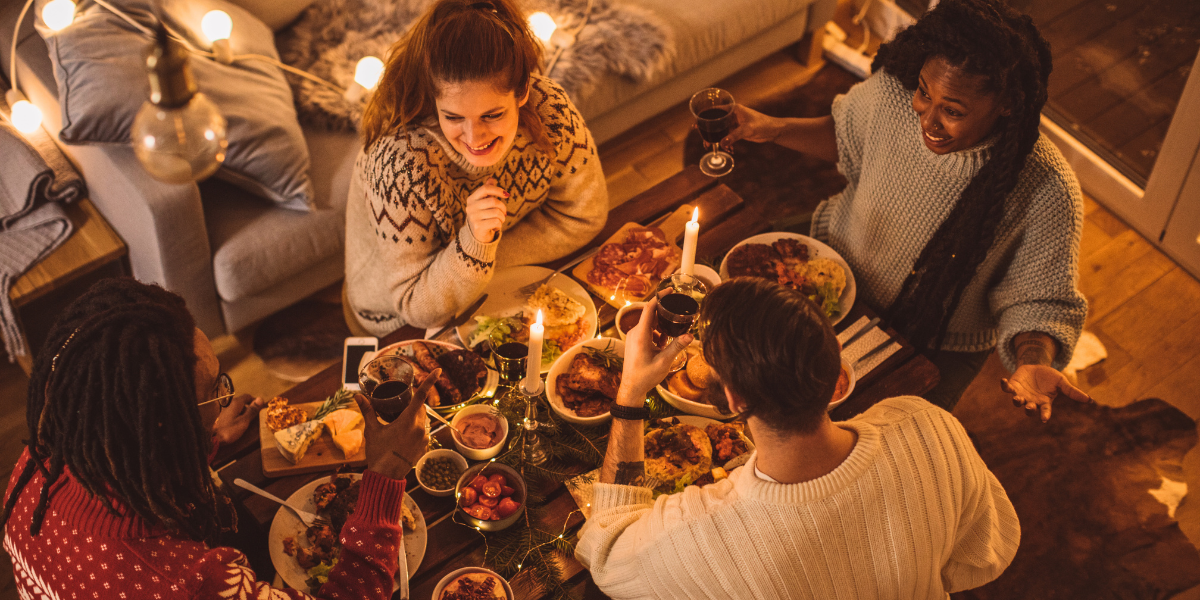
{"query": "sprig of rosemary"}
{"type": "Point", "coordinates": [339, 400]}
{"type": "Point", "coordinates": [606, 356]}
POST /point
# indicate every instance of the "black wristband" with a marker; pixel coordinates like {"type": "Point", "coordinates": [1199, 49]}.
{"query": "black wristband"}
{"type": "Point", "coordinates": [628, 413]}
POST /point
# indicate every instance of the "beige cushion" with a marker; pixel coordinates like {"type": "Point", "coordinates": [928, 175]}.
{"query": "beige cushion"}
{"type": "Point", "coordinates": [277, 14]}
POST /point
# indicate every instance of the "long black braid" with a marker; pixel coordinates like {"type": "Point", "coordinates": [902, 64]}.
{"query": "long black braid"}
{"type": "Point", "coordinates": [112, 397]}
{"type": "Point", "coordinates": [988, 39]}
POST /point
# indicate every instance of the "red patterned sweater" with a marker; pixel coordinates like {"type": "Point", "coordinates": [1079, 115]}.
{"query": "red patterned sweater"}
{"type": "Point", "coordinates": [85, 552]}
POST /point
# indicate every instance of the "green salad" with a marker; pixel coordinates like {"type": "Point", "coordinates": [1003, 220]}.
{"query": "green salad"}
{"type": "Point", "coordinates": [501, 330]}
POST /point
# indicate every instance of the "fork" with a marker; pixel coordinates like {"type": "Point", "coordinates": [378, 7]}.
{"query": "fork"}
{"type": "Point", "coordinates": [528, 289]}
{"type": "Point", "coordinates": [309, 519]}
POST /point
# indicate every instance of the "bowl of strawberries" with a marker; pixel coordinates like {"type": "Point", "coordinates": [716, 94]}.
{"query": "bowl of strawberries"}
{"type": "Point", "coordinates": [491, 496]}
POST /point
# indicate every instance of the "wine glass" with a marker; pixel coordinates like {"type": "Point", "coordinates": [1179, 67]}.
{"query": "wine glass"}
{"type": "Point", "coordinates": [713, 109]}
{"type": "Point", "coordinates": [679, 299]}
{"type": "Point", "coordinates": [388, 381]}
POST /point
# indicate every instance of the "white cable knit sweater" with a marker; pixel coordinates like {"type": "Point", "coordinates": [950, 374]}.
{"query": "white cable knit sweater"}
{"type": "Point", "coordinates": [410, 257]}
{"type": "Point", "coordinates": [911, 514]}
{"type": "Point", "coordinates": [899, 192]}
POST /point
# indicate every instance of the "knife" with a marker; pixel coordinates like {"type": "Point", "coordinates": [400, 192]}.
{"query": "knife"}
{"type": "Point", "coordinates": [461, 318]}
{"type": "Point", "coordinates": [873, 351]}
{"type": "Point", "coordinates": [869, 326]}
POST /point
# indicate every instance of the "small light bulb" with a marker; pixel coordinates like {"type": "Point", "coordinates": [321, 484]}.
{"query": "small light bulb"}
{"type": "Point", "coordinates": [26, 117]}
{"type": "Point", "coordinates": [543, 26]}
{"type": "Point", "coordinates": [216, 25]}
{"type": "Point", "coordinates": [57, 14]}
{"type": "Point", "coordinates": [368, 71]}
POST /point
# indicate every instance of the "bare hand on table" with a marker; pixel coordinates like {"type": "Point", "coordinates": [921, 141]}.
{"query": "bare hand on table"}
{"type": "Point", "coordinates": [646, 365]}
{"type": "Point", "coordinates": [393, 449]}
{"type": "Point", "coordinates": [486, 211]}
{"type": "Point", "coordinates": [1035, 387]}
{"type": "Point", "coordinates": [235, 418]}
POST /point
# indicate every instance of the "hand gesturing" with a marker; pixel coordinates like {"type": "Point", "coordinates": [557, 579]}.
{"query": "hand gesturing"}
{"type": "Point", "coordinates": [1035, 387]}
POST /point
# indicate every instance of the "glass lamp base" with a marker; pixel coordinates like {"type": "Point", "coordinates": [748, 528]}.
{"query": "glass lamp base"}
{"type": "Point", "coordinates": [716, 164]}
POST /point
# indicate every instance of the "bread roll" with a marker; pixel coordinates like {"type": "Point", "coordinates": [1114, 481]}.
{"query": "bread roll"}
{"type": "Point", "coordinates": [698, 371]}
{"type": "Point", "coordinates": [681, 386]}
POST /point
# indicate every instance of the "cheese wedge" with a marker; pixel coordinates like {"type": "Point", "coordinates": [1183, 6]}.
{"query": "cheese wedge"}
{"type": "Point", "coordinates": [343, 420]}
{"type": "Point", "coordinates": [294, 441]}
{"type": "Point", "coordinates": [349, 442]}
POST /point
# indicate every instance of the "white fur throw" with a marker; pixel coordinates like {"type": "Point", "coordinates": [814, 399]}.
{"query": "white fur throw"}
{"type": "Point", "coordinates": [332, 35]}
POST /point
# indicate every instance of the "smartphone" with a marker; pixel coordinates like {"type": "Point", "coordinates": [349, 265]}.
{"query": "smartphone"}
{"type": "Point", "coordinates": [352, 353]}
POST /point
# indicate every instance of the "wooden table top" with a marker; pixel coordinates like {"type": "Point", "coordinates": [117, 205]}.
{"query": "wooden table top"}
{"type": "Point", "coordinates": [452, 546]}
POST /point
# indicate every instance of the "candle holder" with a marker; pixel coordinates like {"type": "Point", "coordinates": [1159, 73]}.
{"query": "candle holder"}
{"type": "Point", "coordinates": [530, 443]}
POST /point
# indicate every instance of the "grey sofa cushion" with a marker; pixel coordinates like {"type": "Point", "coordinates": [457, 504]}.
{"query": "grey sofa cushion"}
{"type": "Point", "coordinates": [256, 248]}
{"type": "Point", "coordinates": [102, 85]}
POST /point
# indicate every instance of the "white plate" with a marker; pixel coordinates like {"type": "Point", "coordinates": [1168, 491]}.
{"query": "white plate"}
{"type": "Point", "coordinates": [505, 300]}
{"type": "Point", "coordinates": [405, 348]}
{"type": "Point", "coordinates": [287, 524]}
{"type": "Point", "coordinates": [703, 422]}
{"type": "Point", "coordinates": [816, 249]}
{"type": "Point", "coordinates": [560, 366]}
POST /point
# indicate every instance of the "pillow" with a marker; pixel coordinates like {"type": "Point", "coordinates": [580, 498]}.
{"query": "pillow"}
{"type": "Point", "coordinates": [277, 14]}
{"type": "Point", "coordinates": [102, 85]}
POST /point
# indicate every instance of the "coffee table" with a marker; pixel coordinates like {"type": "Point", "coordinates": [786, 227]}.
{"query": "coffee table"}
{"type": "Point", "coordinates": [452, 546]}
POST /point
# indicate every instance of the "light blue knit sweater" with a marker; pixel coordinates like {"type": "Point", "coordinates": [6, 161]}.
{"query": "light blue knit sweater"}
{"type": "Point", "coordinates": [900, 192]}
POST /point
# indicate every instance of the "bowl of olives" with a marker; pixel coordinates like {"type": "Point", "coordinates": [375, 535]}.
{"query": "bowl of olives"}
{"type": "Point", "coordinates": [439, 470]}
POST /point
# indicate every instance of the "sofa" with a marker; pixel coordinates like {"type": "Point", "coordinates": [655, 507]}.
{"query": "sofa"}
{"type": "Point", "coordinates": [236, 258]}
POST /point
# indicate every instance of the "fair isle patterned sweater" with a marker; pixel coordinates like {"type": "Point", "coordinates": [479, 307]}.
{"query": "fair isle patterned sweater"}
{"type": "Point", "coordinates": [912, 514]}
{"type": "Point", "coordinates": [83, 552]}
{"type": "Point", "coordinates": [410, 256]}
{"type": "Point", "coordinates": [899, 192]}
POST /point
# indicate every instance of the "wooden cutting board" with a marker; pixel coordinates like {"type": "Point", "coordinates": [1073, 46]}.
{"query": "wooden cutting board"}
{"type": "Point", "coordinates": [672, 226]}
{"type": "Point", "coordinates": [322, 455]}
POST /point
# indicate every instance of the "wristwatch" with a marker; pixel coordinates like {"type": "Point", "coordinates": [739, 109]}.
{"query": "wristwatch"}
{"type": "Point", "coordinates": [629, 413]}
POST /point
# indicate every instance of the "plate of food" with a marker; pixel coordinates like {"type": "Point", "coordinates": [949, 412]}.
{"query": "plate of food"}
{"type": "Point", "coordinates": [690, 450]}
{"type": "Point", "coordinates": [634, 259]}
{"type": "Point", "coordinates": [465, 376]}
{"type": "Point", "coordinates": [567, 312]}
{"type": "Point", "coordinates": [583, 382]}
{"type": "Point", "coordinates": [690, 389]}
{"type": "Point", "coordinates": [799, 262]}
{"type": "Point", "coordinates": [313, 436]}
{"type": "Point", "coordinates": [303, 556]}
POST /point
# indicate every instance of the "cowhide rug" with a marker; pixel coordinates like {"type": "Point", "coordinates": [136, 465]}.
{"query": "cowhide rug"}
{"type": "Point", "coordinates": [1081, 483]}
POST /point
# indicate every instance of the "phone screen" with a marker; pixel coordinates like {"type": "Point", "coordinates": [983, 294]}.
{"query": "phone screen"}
{"type": "Point", "coordinates": [354, 355]}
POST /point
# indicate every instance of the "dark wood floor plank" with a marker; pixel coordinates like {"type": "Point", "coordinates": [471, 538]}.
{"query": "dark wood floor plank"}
{"type": "Point", "coordinates": [1087, 21]}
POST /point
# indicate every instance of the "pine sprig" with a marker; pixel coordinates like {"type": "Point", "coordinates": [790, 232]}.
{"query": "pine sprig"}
{"type": "Point", "coordinates": [339, 400]}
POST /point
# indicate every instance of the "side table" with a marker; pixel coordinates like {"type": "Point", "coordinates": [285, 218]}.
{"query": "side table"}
{"type": "Point", "coordinates": [93, 252]}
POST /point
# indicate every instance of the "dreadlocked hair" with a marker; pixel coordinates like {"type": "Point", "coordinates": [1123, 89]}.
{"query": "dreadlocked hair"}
{"type": "Point", "coordinates": [112, 397]}
{"type": "Point", "coordinates": [988, 39]}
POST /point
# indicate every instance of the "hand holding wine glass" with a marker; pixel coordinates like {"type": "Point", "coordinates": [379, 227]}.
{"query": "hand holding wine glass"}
{"type": "Point", "coordinates": [714, 112]}
{"type": "Point", "coordinates": [752, 126]}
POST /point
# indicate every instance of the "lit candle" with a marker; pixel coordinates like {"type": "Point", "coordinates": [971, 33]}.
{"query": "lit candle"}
{"type": "Point", "coordinates": [690, 231]}
{"type": "Point", "coordinates": [533, 366]}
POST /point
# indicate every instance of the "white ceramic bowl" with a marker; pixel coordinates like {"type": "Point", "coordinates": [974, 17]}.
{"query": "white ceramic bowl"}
{"type": "Point", "coordinates": [479, 453]}
{"type": "Point", "coordinates": [439, 453]}
{"type": "Point", "coordinates": [437, 591]}
{"type": "Point", "coordinates": [707, 275]}
{"type": "Point", "coordinates": [849, 368]}
{"type": "Point", "coordinates": [621, 313]}
{"type": "Point", "coordinates": [560, 366]}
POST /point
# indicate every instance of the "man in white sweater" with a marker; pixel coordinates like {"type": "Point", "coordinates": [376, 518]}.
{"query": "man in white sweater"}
{"type": "Point", "coordinates": [894, 503]}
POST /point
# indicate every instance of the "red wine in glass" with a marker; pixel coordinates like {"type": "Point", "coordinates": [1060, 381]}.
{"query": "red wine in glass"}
{"type": "Point", "coordinates": [714, 123]}
{"type": "Point", "coordinates": [510, 360]}
{"type": "Point", "coordinates": [713, 109]}
{"type": "Point", "coordinates": [676, 314]}
{"type": "Point", "coordinates": [390, 398]}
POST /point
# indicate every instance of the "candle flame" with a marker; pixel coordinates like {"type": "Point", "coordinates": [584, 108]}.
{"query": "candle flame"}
{"type": "Point", "coordinates": [538, 321]}
{"type": "Point", "coordinates": [696, 214]}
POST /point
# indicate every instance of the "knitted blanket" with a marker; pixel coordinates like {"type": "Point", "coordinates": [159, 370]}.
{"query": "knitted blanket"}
{"type": "Point", "coordinates": [331, 36]}
{"type": "Point", "coordinates": [37, 181]}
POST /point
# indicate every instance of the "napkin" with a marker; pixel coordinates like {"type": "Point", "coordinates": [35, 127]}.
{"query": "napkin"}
{"type": "Point", "coordinates": [865, 344]}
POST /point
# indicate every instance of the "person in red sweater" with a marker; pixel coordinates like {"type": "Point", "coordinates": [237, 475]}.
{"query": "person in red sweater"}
{"type": "Point", "coordinates": [113, 497]}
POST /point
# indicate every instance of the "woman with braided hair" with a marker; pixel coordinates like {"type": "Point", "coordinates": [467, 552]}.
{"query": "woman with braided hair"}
{"type": "Point", "coordinates": [113, 496]}
{"type": "Point", "coordinates": [960, 220]}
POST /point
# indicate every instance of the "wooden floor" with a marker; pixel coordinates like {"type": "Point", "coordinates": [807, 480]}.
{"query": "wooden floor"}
{"type": "Point", "coordinates": [1119, 69]}
{"type": "Point", "coordinates": [1143, 306]}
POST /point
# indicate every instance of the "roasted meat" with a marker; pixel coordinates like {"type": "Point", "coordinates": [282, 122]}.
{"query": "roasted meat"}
{"type": "Point", "coordinates": [588, 387]}
{"type": "Point", "coordinates": [466, 369]}
{"type": "Point", "coordinates": [446, 388]}
{"type": "Point", "coordinates": [753, 260]}
{"type": "Point", "coordinates": [727, 442]}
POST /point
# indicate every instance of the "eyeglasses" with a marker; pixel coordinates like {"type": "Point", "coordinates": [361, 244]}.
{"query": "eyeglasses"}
{"type": "Point", "coordinates": [222, 392]}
